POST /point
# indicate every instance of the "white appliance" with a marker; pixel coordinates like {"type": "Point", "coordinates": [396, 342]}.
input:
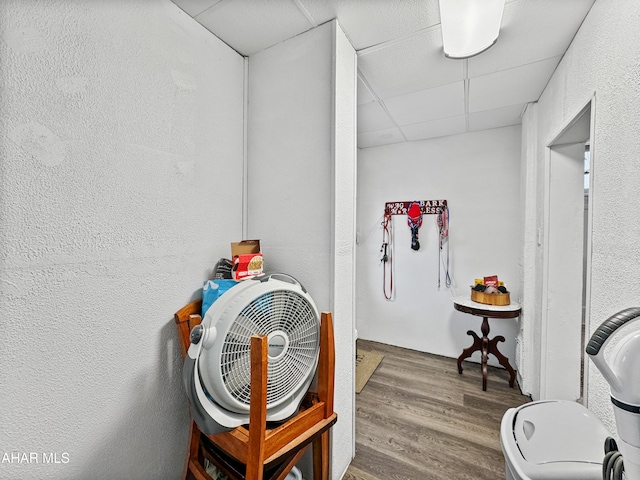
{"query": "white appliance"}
{"type": "Point", "coordinates": [552, 440]}
{"type": "Point", "coordinates": [562, 440]}
{"type": "Point", "coordinates": [622, 372]}
{"type": "Point", "coordinates": [217, 368]}
{"type": "Point", "coordinates": [294, 474]}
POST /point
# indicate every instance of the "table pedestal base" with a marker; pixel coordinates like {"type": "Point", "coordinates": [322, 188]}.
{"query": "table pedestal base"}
{"type": "Point", "coordinates": [486, 346]}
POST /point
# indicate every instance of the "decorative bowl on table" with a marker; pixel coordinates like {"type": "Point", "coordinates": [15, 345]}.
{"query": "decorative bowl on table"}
{"type": "Point", "coordinates": [497, 298]}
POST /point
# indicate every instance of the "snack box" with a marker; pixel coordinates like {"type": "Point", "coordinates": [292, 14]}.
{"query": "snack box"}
{"type": "Point", "coordinates": [247, 259]}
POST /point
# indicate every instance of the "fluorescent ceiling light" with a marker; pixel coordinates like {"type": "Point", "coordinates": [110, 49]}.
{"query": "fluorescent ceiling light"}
{"type": "Point", "coordinates": [469, 27]}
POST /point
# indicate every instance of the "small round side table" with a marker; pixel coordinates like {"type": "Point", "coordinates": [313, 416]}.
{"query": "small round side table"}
{"type": "Point", "coordinates": [484, 344]}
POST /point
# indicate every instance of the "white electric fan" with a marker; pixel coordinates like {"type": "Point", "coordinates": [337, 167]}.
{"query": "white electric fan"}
{"type": "Point", "coordinates": [217, 368]}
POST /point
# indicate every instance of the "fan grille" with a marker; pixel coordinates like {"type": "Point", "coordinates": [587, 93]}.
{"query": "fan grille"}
{"type": "Point", "coordinates": [282, 311]}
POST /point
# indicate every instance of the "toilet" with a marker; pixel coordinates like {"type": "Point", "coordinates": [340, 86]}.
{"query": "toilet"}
{"type": "Point", "coordinates": [552, 440]}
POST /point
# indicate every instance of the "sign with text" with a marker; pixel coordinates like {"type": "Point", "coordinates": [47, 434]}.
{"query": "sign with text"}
{"type": "Point", "coordinates": [427, 207]}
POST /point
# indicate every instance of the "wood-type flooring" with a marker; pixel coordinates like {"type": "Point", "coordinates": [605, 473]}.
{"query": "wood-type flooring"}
{"type": "Point", "coordinates": [418, 419]}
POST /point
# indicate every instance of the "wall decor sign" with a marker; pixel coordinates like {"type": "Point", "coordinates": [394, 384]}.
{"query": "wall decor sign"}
{"type": "Point", "coordinates": [427, 207]}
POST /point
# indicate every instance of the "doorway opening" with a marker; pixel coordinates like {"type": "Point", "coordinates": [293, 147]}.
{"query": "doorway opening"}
{"type": "Point", "coordinates": [566, 265]}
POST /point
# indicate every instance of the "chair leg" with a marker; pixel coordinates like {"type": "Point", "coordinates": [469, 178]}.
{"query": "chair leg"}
{"type": "Point", "coordinates": [194, 448]}
{"type": "Point", "coordinates": [321, 457]}
{"type": "Point", "coordinates": [193, 465]}
{"type": "Point", "coordinates": [326, 363]}
{"type": "Point", "coordinates": [257, 408]}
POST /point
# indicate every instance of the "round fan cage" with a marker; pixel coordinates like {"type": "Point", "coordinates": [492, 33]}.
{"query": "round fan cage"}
{"type": "Point", "coordinates": [276, 306]}
{"type": "Point", "coordinates": [291, 324]}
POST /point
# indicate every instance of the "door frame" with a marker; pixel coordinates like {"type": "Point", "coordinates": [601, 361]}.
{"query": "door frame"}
{"type": "Point", "coordinates": [567, 135]}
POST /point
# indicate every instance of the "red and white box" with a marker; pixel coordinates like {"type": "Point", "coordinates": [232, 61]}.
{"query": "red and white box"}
{"type": "Point", "coordinates": [247, 259]}
{"type": "Point", "coordinates": [491, 281]}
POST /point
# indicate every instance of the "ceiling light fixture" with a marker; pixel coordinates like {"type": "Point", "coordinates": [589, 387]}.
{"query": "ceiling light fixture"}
{"type": "Point", "coordinates": [469, 27]}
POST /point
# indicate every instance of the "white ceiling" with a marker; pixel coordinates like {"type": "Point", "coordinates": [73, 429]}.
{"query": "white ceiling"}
{"type": "Point", "coordinates": [407, 89]}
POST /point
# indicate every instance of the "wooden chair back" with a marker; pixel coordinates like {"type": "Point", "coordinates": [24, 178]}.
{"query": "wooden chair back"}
{"type": "Point", "coordinates": [186, 318]}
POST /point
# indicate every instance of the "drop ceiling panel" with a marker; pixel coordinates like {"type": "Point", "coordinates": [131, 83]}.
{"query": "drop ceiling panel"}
{"type": "Point", "coordinates": [222, 19]}
{"type": "Point", "coordinates": [368, 23]}
{"type": "Point", "coordinates": [195, 7]}
{"type": "Point", "coordinates": [510, 87]}
{"type": "Point", "coordinates": [440, 102]}
{"type": "Point", "coordinates": [499, 117]}
{"type": "Point", "coordinates": [372, 117]}
{"type": "Point", "coordinates": [414, 64]}
{"type": "Point", "coordinates": [435, 128]}
{"type": "Point", "coordinates": [531, 31]}
{"type": "Point", "coordinates": [381, 137]}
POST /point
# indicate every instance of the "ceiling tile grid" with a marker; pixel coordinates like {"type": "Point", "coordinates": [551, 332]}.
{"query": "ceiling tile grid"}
{"type": "Point", "coordinates": [415, 63]}
{"type": "Point", "coordinates": [365, 94]}
{"type": "Point", "coordinates": [223, 17]}
{"type": "Point", "coordinates": [435, 128]}
{"type": "Point", "coordinates": [499, 117]}
{"type": "Point", "coordinates": [372, 22]}
{"type": "Point", "coordinates": [517, 85]}
{"type": "Point", "coordinates": [407, 89]}
{"type": "Point", "coordinates": [372, 117]}
{"type": "Point", "coordinates": [195, 7]}
{"type": "Point", "coordinates": [431, 104]}
{"type": "Point", "coordinates": [531, 31]}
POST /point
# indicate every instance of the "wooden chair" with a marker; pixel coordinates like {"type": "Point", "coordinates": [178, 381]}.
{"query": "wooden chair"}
{"type": "Point", "coordinates": [255, 452]}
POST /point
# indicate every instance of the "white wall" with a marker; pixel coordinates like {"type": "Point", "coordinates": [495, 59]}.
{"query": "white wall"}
{"type": "Point", "coordinates": [121, 177]}
{"type": "Point", "coordinates": [478, 174]}
{"type": "Point", "coordinates": [343, 252]}
{"type": "Point", "coordinates": [301, 186]}
{"type": "Point", "coordinates": [602, 60]}
{"type": "Point", "coordinates": [530, 273]}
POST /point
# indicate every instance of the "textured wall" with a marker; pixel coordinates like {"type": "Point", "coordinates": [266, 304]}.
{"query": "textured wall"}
{"type": "Point", "coordinates": [602, 60]}
{"type": "Point", "coordinates": [530, 279]}
{"type": "Point", "coordinates": [343, 249]}
{"type": "Point", "coordinates": [301, 178]}
{"type": "Point", "coordinates": [121, 176]}
{"type": "Point", "coordinates": [289, 150]}
{"type": "Point", "coordinates": [478, 174]}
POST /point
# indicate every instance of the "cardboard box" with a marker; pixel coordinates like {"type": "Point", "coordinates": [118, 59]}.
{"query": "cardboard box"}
{"type": "Point", "coordinates": [246, 258]}
{"type": "Point", "coordinates": [491, 281]}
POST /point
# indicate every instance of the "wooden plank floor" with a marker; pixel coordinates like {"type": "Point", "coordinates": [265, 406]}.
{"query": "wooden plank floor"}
{"type": "Point", "coordinates": [418, 419]}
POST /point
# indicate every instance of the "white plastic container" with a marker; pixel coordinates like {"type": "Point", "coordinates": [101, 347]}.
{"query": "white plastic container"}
{"type": "Point", "coordinates": [552, 440]}
{"type": "Point", "coordinates": [294, 474]}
